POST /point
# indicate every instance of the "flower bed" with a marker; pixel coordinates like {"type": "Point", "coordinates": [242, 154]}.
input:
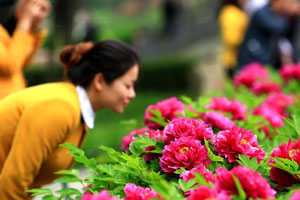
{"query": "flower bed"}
{"type": "Point", "coordinates": [242, 144]}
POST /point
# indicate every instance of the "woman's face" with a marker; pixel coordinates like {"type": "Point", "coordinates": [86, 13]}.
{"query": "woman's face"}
{"type": "Point", "coordinates": [117, 95]}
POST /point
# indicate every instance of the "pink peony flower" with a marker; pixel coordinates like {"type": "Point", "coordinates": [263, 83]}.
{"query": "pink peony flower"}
{"type": "Point", "coordinates": [183, 127]}
{"type": "Point", "coordinates": [296, 195]}
{"type": "Point", "coordinates": [232, 143]}
{"type": "Point", "coordinates": [134, 192]}
{"type": "Point", "coordinates": [253, 183]}
{"type": "Point", "coordinates": [270, 114]}
{"type": "Point", "coordinates": [126, 140]}
{"type": "Point", "coordinates": [168, 108]}
{"type": "Point", "coordinates": [234, 107]}
{"type": "Point", "coordinates": [290, 72]}
{"type": "Point", "coordinates": [184, 152]}
{"type": "Point", "coordinates": [207, 193]}
{"type": "Point", "coordinates": [218, 120]}
{"type": "Point", "coordinates": [103, 195]}
{"type": "Point", "coordinates": [265, 88]}
{"type": "Point", "coordinates": [280, 102]}
{"type": "Point", "coordinates": [189, 175]}
{"type": "Point", "coordinates": [289, 151]}
{"type": "Point", "coordinates": [250, 74]}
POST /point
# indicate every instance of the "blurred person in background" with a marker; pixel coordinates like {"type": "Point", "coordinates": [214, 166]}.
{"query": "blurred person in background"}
{"type": "Point", "coordinates": [171, 11]}
{"type": "Point", "coordinates": [285, 49]}
{"type": "Point", "coordinates": [38, 119]}
{"type": "Point", "coordinates": [233, 23]}
{"type": "Point", "coordinates": [17, 50]}
{"type": "Point", "coordinates": [254, 5]}
{"type": "Point", "coordinates": [267, 26]}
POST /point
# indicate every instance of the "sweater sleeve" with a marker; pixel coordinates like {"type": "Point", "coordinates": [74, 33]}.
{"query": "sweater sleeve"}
{"type": "Point", "coordinates": [40, 130]}
{"type": "Point", "coordinates": [17, 51]}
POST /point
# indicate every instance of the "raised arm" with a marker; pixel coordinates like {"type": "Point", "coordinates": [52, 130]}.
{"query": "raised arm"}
{"type": "Point", "coordinates": [17, 51]}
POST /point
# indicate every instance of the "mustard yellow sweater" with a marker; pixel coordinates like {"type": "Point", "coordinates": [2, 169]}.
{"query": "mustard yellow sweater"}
{"type": "Point", "coordinates": [34, 121]}
{"type": "Point", "coordinates": [233, 23]}
{"type": "Point", "coordinates": [15, 53]}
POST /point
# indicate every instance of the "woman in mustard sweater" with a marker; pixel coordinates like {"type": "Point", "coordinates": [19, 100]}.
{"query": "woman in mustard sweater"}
{"type": "Point", "coordinates": [34, 121]}
{"type": "Point", "coordinates": [17, 50]}
{"type": "Point", "coordinates": [233, 22]}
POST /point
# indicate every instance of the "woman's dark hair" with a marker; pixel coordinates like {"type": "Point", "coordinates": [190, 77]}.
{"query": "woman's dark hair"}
{"type": "Point", "coordinates": [112, 58]}
{"type": "Point", "coordinates": [231, 2]}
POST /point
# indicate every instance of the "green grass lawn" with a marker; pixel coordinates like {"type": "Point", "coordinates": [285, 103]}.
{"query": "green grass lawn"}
{"type": "Point", "coordinates": [109, 128]}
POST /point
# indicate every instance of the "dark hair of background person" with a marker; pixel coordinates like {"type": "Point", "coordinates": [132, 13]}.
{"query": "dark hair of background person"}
{"type": "Point", "coordinates": [110, 57]}
{"type": "Point", "coordinates": [7, 17]}
{"type": "Point", "coordinates": [224, 3]}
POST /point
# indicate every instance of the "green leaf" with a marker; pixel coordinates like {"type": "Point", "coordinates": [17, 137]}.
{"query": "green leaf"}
{"type": "Point", "coordinates": [200, 179]}
{"type": "Point", "coordinates": [211, 155]}
{"type": "Point", "coordinates": [168, 190]}
{"type": "Point", "coordinates": [49, 197]}
{"type": "Point", "coordinates": [244, 160]}
{"type": "Point", "coordinates": [67, 179]}
{"type": "Point", "coordinates": [241, 192]}
{"type": "Point", "coordinates": [186, 186]}
{"type": "Point", "coordinates": [296, 119]}
{"type": "Point", "coordinates": [72, 172]}
{"type": "Point", "coordinates": [186, 100]}
{"type": "Point", "coordinates": [79, 156]}
{"type": "Point", "coordinates": [287, 165]}
{"type": "Point", "coordinates": [158, 118]}
{"type": "Point", "coordinates": [180, 171]}
{"type": "Point", "coordinates": [68, 191]}
{"type": "Point", "coordinates": [290, 123]}
{"type": "Point", "coordinates": [36, 192]}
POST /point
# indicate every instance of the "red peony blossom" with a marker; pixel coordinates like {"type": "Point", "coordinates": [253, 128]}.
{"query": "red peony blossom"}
{"type": "Point", "coordinates": [253, 183]}
{"type": "Point", "coordinates": [207, 193]}
{"type": "Point", "coordinates": [103, 195]}
{"type": "Point", "coordinates": [265, 88]}
{"type": "Point", "coordinates": [183, 127]}
{"type": "Point", "coordinates": [232, 143]}
{"type": "Point", "coordinates": [250, 74]}
{"type": "Point", "coordinates": [184, 152]}
{"type": "Point", "coordinates": [280, 102]}
{"type": "Point", "coordinates": [290, 72]}
{"type": "Point", "coordinates": [126, 140]}
{"type": "Point", "coordinates": [296, 195]}
{"type": "Point", "coordinates": [270, 114]}
{"type": "Point", "coordinates": [134, 192]}
{"type": "Point", "coordinates": [207, 175]}
{"type": "Point", "coordinates": [289, 151]}
{"type": "Point", "coordinates": [234, 107]}
{"type": "Point", "coordinates": [218, 120]}
{"type": "Point", "coordinates": [169, 109]}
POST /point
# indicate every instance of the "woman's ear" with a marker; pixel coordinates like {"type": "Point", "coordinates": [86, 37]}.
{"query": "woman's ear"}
{"type": "Point", "coordinates": [98, 82]}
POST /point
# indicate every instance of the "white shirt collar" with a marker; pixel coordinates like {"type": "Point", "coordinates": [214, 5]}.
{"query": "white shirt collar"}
{"type": "Point", "coordinates": [87, 111]}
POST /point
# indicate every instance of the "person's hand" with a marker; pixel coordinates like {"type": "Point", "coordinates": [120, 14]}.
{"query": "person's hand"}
{"type": "Point", "coordinates": [295, 8]}
{"type": "Point", "coordinates": [30, 13]}
{"type": "Point", "coordinates": [43, 9]}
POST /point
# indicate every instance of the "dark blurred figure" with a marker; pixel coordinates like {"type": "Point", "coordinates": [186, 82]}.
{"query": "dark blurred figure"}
{"type": "Point", "coordinates": [7, 18]}
{"type": "Point", "coordinates": [171, 11]}
{"type": "Point", "coordinates": [266, 27]}
{"type": "Point", "coordinates": [84, 29]}
{"type": "Point", "coordinates": [233, 22]}
{"type": "Point", "coordinates": [285, 49]}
